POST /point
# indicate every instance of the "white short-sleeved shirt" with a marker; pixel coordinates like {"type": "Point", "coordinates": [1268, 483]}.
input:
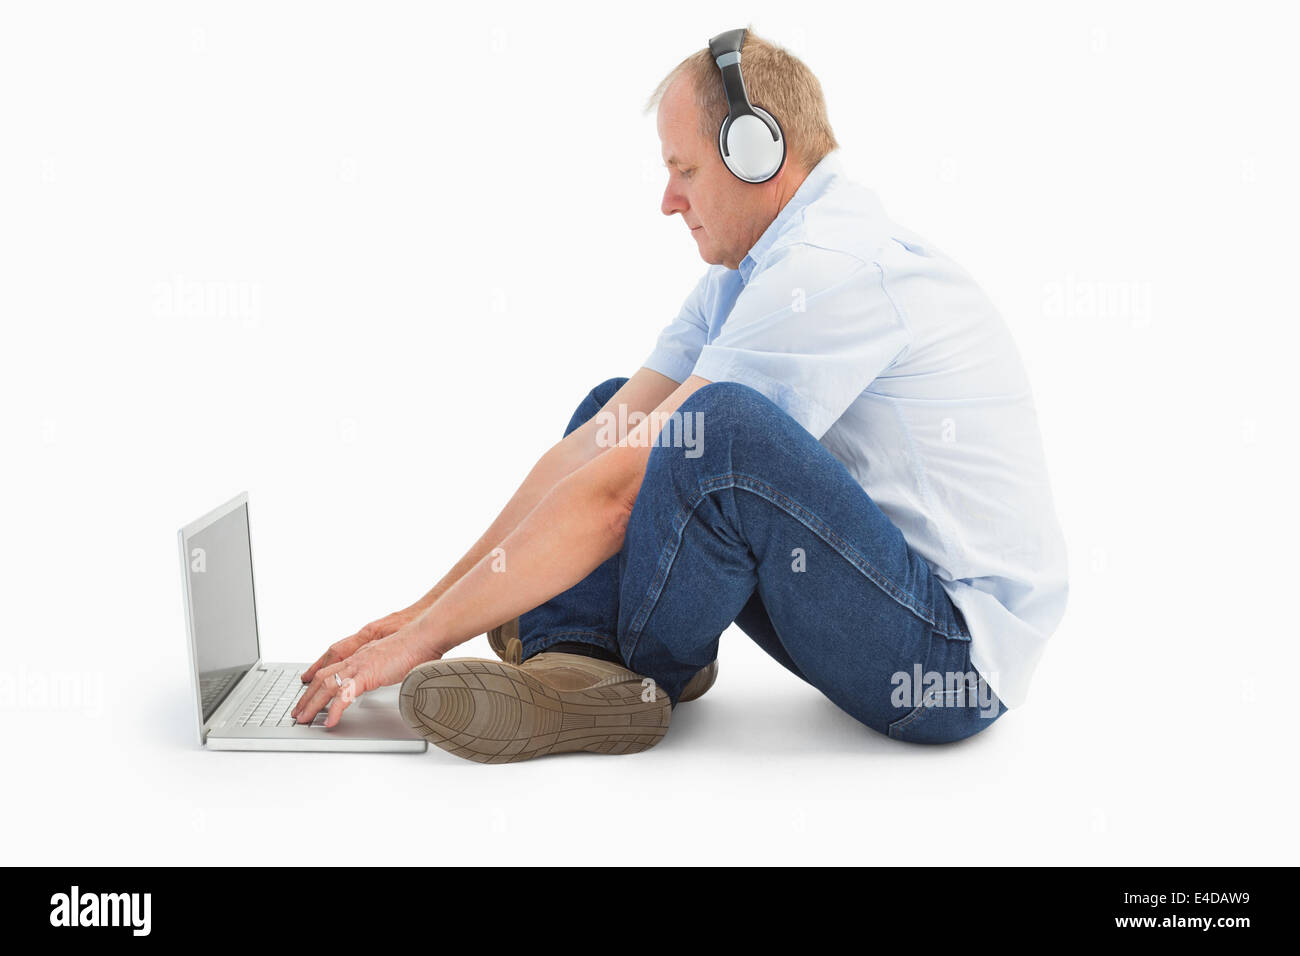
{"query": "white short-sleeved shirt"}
{"type": "Point", "coordinates": [892, 357]}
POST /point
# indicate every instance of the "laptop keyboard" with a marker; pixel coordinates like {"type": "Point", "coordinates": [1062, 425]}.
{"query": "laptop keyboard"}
{"type": "Point", "coordinates": [213, 689]}
{"type": "Point", "coordinates": [272, 701]}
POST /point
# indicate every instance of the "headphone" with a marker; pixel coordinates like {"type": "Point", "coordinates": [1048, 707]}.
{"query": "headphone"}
{"type": "Point", "coordinates": [750, 140]}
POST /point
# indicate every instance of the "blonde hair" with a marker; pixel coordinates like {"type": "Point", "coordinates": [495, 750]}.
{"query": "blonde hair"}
{"type": "Point", "coordinates": [776, 80]}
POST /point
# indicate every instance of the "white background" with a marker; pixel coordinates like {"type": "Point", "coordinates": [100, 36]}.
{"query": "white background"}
{"type": "Point", "coordinates": [364, 259]}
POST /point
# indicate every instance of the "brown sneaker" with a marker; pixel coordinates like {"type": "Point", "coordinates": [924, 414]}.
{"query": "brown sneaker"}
{"type": "Point", "coordinates": [701, 682]}
{"type": "Point", "coordinates": [499, 712]}
{"type": "Point", "coordinates": [499, 639]}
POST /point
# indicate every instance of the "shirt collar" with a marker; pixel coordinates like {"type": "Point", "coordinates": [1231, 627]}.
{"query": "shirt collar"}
{"type": "Point", "coordinates": [813, 186]}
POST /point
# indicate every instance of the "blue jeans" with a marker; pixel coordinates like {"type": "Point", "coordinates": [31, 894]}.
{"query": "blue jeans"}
{"type": "Point", "coordinates": [760, 525]}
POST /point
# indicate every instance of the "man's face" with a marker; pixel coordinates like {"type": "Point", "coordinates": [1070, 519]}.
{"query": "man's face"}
{"type": "Point", "coordinates": [726, 216]}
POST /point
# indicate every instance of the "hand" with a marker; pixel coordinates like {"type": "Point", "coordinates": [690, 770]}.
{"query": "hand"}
{"type": "Point", "coordinates": [381, 662]}
{"type": "Point", "coordinates": [373, 631]}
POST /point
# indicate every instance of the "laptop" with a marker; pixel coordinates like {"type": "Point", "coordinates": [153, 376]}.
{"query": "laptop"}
{"type": "Point", "coordinates": [243, 702]}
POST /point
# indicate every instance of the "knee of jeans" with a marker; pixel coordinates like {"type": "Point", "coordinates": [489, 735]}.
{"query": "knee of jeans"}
{"type": "Point", "coordinates": [707, 431]}
{"type": "Point", "coordinates": [593, 401]}
{"type": "Point", "coordinates": [606, 389]}
{"type": "Point", "coordinates": [727, 412]}
{"type": "Point", "coordinates": [731, 400]}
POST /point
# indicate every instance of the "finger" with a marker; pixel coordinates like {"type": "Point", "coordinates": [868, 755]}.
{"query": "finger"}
{"type": "Point", "coordinates": [306, 696]}
{"type": "Point", "coordinates": [312, 705]}
{"type": "Point", "coordinates": [342, 701]}
{"type": "Point", "coordinates": [318, 694]}
{"type": "Point", "coordinates": [326, 659]}
{"type": "Point", "coordinates": [339, 651]}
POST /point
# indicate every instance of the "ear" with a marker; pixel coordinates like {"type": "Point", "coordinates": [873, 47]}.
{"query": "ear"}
{"type": "Point", "coordinates": [790, 176]}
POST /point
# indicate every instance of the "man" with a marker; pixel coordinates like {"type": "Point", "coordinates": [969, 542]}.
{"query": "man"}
{"type": "Point", "coordinates": [833, 446]}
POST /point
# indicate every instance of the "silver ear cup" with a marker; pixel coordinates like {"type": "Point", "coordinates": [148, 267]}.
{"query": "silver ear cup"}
{"type": "Point", "coordinates": [748, 149]}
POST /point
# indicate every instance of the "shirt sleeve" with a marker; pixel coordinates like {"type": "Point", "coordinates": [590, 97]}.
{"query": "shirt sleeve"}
{"type": "Point", "coordinates": [811, 330]}
{"type": "Point", "coordinates": [678, 347]}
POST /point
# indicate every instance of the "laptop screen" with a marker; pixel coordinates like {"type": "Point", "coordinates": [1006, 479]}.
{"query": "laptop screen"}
{"type": "Point", "coordinates": [220, 569]}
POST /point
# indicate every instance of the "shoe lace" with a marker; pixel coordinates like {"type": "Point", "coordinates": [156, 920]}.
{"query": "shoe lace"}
{"type": "Point", "coordinates": [514, 651]}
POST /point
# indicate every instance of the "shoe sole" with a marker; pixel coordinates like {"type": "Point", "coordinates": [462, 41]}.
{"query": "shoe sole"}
{"type": "Point", "coordinates": [494, 712]}
{"type": "Point", "coordinates": [699, 685]}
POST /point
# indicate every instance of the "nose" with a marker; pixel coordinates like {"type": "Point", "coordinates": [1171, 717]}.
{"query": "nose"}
{"type": "Point", "coordinates": [673, 201]}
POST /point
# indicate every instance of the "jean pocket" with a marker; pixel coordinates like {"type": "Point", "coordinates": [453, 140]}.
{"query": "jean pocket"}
{"type": "Point", "coordinates": [952, 706]}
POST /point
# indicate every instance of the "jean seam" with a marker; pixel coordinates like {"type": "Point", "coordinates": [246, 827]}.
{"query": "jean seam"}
{"type": "Point", "coordinates": [901, 723]}
{"type": "Point", "coordinates": [927, 662]}
{"type": "Point", "coordinates": [792, 508]}
{"type": "Point", "coordinates": [927, 704]}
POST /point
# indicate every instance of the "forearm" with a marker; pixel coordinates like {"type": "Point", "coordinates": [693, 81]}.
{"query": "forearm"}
{"type": "Point", "coordinates": [559, 461]}
{"type": "Point", "coordinates": [641, 393]}
{"type": "Point", "coordinates": [571, 531]}
{"type": "Point", "coordinates": [575, 528]}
